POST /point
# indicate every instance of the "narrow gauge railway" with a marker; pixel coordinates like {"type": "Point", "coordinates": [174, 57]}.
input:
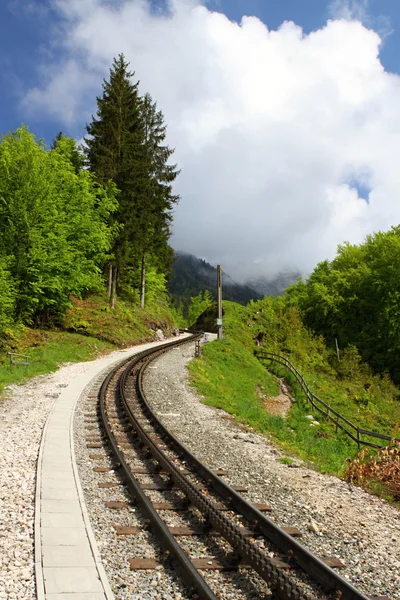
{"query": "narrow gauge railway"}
{"type": "Point", "coordinates": [164, 478]}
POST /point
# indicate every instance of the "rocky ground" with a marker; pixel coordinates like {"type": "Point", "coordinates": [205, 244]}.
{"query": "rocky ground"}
{"type": "Point", "coordinates": [23, 413]}
{"type": "Point", "coordinates": [334, 518]}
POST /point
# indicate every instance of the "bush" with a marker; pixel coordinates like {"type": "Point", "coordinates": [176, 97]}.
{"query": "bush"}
{"type": "Point", "coordinates": [381, 467]}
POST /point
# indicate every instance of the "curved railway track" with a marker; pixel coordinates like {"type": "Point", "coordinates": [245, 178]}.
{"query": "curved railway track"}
{"type": "Point", "coordinates": [163, 478]}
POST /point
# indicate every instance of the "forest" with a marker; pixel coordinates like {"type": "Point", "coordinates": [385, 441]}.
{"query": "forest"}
{"type": "Point", "coordinates": [79, 220]}
{"type": "Point", "coordinates": [354, 300]}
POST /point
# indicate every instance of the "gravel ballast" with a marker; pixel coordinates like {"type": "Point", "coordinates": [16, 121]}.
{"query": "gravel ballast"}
{"type": "Point", "coordinates": [334, 518]}
{"type": "Point", "coordinates": [23, 414]}
{"type": "Point", "coordinates": [361, 530]}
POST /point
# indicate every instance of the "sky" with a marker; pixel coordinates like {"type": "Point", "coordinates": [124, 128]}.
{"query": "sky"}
{"type": "Point", "coordinates": [284, 115]}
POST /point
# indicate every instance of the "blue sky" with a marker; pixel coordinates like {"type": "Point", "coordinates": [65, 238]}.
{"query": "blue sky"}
{"type": "Point", "coordinates": [286, 125]}
{"type": "Point", "coordinates": [30, 29]}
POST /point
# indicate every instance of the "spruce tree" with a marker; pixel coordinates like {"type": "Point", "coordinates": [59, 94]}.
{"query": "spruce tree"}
{"type": "Point", "coordinates": [126, 144]}
{"type": "Point", "coordinates": [114, 154]}
{"type": "Point", "coordinates": [158, 199]}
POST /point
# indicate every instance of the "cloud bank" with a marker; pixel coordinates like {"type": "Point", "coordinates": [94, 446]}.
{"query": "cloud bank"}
{"type": "Point", "coordinates": [288, 143]}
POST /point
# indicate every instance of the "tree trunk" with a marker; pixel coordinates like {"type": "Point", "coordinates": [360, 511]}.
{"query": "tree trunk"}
{"type": "Point", "coordinates": [109, 275]}
{"type": "Point", "coordinates": [143, 281]}
{"type": "Point", "coordinates": [113, 288]}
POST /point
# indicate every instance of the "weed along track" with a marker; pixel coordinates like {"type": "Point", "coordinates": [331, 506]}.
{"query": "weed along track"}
{"type": "Point", "coordinates": [182, 530]}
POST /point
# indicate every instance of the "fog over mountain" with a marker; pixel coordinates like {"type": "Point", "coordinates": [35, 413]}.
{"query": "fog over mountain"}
{"type": "Point", "coordinates": [288, 142]}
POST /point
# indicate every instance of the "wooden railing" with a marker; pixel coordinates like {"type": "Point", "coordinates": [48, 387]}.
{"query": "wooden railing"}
{"type": "Point", "coordinates": [18, 359]}
{"type": "Point", "coordinates": [356, 433]}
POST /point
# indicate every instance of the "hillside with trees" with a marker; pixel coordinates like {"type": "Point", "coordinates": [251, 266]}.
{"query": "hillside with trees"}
{"type": "Point", "coordinates": [125, 146]}
{"type": "Point", "coordinates": [194, 277]}
{"type": "Point", "coordinates": [355, 299]}
{"type": "Point", "coordinates": [83, 226]}
{"type": "Point", "coordinates": [74, 221]}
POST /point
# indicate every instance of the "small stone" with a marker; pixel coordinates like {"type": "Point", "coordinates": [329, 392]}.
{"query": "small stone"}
{"type": "Point", "coordinates": [312, 526]}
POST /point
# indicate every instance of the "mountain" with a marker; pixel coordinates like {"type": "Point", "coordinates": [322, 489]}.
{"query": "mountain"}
{"type": "Point", "coordinates": [274, 286]}
{"type": "Point", "coordinates": [191, 275]}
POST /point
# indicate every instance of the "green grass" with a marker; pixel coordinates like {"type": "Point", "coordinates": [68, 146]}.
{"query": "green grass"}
{"type": "Point", "coordinates": [229, 377]}
{"type": "Point", "coordinates": [88, 330]}
{"type": "Point", "coordinates": [286, 460]}
{"type": "Point", "coordinates": [50, 350]}
{"type": "Point", "coordinates": [125, 325]}
{"type": "Point", "coordinates": [238, 391]}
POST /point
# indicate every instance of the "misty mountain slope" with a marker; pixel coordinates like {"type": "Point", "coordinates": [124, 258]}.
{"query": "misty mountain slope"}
{"type": "Point", "coordinates": [274, 286]}
{"type": "Point", "coordinates": [191, 275]}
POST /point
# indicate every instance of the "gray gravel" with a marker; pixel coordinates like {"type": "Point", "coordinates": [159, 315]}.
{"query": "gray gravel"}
{"type": "Point", "coordinates": [335, 519]}
{"type": "Point", "coordinates": [116, 550]}
{"type": "Point", "coordinates": [23, 413]}
{"type": "Point", "coordinates": [360, 529]}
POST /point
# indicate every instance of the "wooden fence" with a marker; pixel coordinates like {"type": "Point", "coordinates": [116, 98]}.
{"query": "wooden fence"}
{"type": "Point", "coordinates": [18, 359]}
{"type": "Point", "coordinates": [356, 433]}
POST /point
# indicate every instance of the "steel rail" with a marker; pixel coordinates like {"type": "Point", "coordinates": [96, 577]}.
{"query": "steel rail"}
{"type": "Point", "coordinates": [281, 584]}
{"type": "Point", "coordinates": [316, 568]}
{"type": "Point", "coordinates": [179, 559]}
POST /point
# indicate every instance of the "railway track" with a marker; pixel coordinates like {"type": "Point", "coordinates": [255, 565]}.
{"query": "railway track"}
{"type": "Point", "coordinates": [181, 499]}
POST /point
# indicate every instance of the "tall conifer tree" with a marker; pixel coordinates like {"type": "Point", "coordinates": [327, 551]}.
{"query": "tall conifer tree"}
{"type": "Point", "coordinates": [156, 206]}
{"type": "Point", "coordinates": [126, 144]}
{"type": "Point", "coordinates": [114, 153]}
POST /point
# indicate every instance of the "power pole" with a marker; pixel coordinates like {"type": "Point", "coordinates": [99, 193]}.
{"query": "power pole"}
{"type": "Point", "coordinates": [219, 292]}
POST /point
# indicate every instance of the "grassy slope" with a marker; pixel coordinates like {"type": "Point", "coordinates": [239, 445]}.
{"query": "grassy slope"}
{"type": "Point", "coordinates": [89, 330]}
{"type": "Point", "coordinates": [229, 377]}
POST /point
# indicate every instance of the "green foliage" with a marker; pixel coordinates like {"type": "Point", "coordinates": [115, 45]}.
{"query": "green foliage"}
{"type": "Point", "coordinates": [88, 329]}
{"type": "Point", "coordinates": [52, 226]}
{"type": "Point", "coordinates": [126, 325]}
{"type": "Point", "coordinates": [348, 385]}
{"type": "Point", "coordinates": [67, 147]}
{"type": "Point", "coordinates": [198, 305]}
{"type": "Point", "coordinates": [224, 375]}
{"type": "Point", "coordinates": [356, 299]}
{"type": "Point", "coordinates": [7, 297]}
{"type": "Point", "coordinates": [126, 146]}
{"type": "Point", "coordinates": [155, 285]}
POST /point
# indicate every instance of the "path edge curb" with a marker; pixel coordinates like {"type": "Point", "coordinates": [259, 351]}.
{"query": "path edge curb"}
{"type": "Point", "coordinates": [90, 533]}
{"type": "Point", "coordinates": [39, 577]}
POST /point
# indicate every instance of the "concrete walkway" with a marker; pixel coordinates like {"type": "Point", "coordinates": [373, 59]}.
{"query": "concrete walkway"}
{"type": "Point", "coordinates": [67, 560]}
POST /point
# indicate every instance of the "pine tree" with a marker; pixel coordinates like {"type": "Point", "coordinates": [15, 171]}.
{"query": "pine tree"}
{"type": "Point", "coordinates": [126, 145]}
{"type": "Point", "coordinates": [114, 149]}
{"type": "Point", "coordinates": [158, 200]}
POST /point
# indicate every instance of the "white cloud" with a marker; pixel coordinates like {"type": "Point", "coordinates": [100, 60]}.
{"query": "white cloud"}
{"type": "Point", "coordinates": [272, 128]}
{"type": "Point", "coordinates": [350, 9]}
{"type": "Point", "coordinates": [359, 10]}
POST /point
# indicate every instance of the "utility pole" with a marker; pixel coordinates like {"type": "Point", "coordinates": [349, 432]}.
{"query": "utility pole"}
{"type": "Point", "coordinates": [219, 293]}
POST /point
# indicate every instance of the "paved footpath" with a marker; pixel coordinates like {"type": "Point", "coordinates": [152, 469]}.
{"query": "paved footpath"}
{"type": "Point", "coordinates": [67, 560]}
